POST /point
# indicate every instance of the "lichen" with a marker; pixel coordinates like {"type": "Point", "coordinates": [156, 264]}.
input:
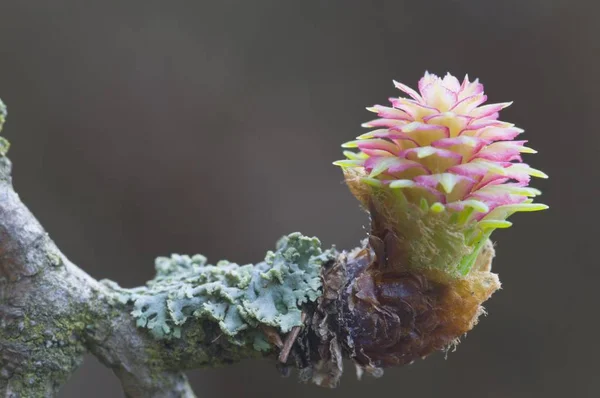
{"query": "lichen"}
{"type": "Point", "coordinates": [4, 144]}
{"type": "Point", "coordinates": [39, 354]}
{"type": "Point", "coordinates": [238, 298]}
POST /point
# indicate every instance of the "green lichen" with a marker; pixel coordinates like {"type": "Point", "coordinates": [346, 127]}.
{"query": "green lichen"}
{"type": "Point", "coordinates": [4, 144]}
{"type": "Point", "coordinates": [54, 258]}
{"type": "Point", "coordinates": [203, 344]}
{"type": "Point", "coordinates": [40, 353]}
{"type": "Point", "coordinates": [237, 298]}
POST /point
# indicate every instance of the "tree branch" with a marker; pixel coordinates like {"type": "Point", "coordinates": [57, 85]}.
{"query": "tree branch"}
{"type": "Point", "coordinates": [303, 307]}
{"type": "Point", "coordinates": [51, 312]}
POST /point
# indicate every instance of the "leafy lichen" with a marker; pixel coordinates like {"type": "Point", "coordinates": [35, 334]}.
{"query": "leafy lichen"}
{"type": "Point", "coordinates": [238, 298]}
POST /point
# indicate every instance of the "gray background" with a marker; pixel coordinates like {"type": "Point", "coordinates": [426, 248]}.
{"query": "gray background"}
{"type": "Point", "coordinates": [142, 128]}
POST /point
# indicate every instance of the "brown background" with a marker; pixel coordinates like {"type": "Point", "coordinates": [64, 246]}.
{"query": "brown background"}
{"type": "Point", "coordinates": [142, 128]}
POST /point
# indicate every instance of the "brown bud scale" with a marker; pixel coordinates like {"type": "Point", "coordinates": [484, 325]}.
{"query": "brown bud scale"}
{"type": "Point", "coordinates": [390, 315]}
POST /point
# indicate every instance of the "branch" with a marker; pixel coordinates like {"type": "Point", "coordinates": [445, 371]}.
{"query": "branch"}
{"type": "Point", "coordinates": [192, 315]}
{"type": "Point", "coordinates": [414, 287]}
{"type": "Point", "coordinates": [302, 307]}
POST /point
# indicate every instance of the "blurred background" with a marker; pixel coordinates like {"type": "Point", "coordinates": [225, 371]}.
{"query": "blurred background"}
{"type": "Point", "coordinates": [143, 128]}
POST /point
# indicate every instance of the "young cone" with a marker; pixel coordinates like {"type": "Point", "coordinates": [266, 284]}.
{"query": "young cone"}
{"type": "Point", "coordinates": [438, 174]}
